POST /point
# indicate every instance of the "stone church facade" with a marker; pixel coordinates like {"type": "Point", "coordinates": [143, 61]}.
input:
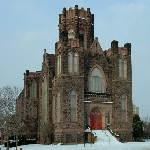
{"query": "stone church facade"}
{"type": "Point", "coordinates": [80, 86]}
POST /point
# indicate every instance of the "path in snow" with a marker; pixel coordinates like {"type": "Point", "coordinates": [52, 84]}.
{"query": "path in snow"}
{"type": "Point", "coordinates": [104, 136]}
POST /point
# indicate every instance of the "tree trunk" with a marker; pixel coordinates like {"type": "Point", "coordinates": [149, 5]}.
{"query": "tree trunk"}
{"type": "Point", "coordinates": [7, 142]}
{"type": "Point", "coordinates": [16, 141]}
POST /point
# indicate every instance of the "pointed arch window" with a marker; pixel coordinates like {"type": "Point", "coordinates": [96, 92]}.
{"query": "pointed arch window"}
{"type": "Point", "coordinates": [123, 107]}
{"type": "Point", "coordinates": [33, 90]}
{"type": "Point", "coordinates": [124, 68]}
{"type": "Point", "coordinates": [120, 68]}
{"type": "Point", "coordinates": [75, 62]}
{"type": "Point", "coordinates": [69, 62]}
{"type": "Point", "coordinates": [73, 106]}
{"type": "Point", "coordinates": [44, 102]}
{"type": "Point", "coordinates": [96, 81]}
{"type": "Point", "coordinates": [58, 65]}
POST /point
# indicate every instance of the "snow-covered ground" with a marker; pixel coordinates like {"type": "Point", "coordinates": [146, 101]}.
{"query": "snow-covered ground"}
{"type": "Point", "coordinates": [96, 146]}
{"type": "Point", "coordinates": [104, 142]}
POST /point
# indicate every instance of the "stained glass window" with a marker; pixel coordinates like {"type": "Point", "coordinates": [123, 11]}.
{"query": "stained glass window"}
{"type": "Point", "coordinates": [96, 82]}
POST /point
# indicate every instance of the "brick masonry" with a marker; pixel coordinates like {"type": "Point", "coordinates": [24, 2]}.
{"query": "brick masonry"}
{"type": "Point", "coordinates": [90, 55]}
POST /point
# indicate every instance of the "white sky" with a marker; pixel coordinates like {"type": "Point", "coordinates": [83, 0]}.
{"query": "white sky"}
{"type": "Point", "coordinates": [27, 27]}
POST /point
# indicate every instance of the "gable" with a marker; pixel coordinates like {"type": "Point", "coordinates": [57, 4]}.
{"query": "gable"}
{"type": "Point", "coordinates": [95, 47]}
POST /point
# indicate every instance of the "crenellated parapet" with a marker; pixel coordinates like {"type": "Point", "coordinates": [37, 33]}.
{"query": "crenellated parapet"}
{"type": "Point", "coordinates": [78, 24]}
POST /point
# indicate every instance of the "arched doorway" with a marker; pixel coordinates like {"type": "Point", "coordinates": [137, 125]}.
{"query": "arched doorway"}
{"type": "Point", "coordinates": [96, 120]}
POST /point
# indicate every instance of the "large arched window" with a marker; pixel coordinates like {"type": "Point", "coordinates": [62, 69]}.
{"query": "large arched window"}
{"type": "Point", "coordinates": [44, 101]}
{"type": "Point", "coordinates": [33, 90]}
{"type": "Point", "coordinates": [96, 81]}
{"type": "Point", "coordinates": [123, 107]}
{"type": "Point", "coordinates": [73, 106]}
{"type": "Point", "coordinates": [69, 62]}
{"type": "Point", "coordinates": [75, 62]}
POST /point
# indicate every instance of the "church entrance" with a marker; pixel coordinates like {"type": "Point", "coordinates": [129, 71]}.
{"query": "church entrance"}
{"type": "Point", "coordinates": [96, 120]}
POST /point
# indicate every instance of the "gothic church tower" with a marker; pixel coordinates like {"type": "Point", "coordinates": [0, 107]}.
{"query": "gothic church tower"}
{"type": "Point", "coordinates": [76, 34]}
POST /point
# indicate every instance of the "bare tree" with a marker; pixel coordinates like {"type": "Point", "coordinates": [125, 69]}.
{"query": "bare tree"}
{"type": "Point", "coordinates": [8, 96]}
{"type": "Point", "coordinates": [146, 126]}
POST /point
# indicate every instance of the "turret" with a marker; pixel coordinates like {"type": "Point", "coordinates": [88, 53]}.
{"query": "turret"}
{"type": "Point", "coordinates": [128, 46]}
{"type": "Point", "coordinates": [114, 46]}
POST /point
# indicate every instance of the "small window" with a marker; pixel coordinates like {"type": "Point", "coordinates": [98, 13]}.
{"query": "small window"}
{"type": "Point", "coordinates": [68, 138]}
{"type": "Point", "coordinates": [92, 113]}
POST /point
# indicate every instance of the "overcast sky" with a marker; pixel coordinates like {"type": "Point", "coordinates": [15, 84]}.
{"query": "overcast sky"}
{"type": "Point", "coordinates": [29, 26]}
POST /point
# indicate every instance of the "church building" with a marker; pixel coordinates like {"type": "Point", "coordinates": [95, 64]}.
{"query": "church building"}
{"type": "Point", "coordinates": [79, 86]}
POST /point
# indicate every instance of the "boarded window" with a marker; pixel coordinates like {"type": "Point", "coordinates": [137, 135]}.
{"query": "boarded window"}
{"type": "Point", "coordinates": [75, 62]}
{"type": "Point", "coordinates": [69, 62]}
{"type": "Point", "coordinates": [58, 106]}
{"type": "Point", "coordinates": [120, 68]}
{"type": "Point", "coordinates": [73, 106]}
{"type": "Point", "coordinates": [33, 90]}
{"type": "Point", "coordinates": [124, 68]}
{"type": "Point", "coordinates": [123, 107]}
{"type": "Point", "coordinates": [78, 138]}
{"type": "Point", "coordinates": [44, 102]}
{"type": "Point", "coordinates": [96, 82]}
{"type": "Point", "coordinates": [68, 138]}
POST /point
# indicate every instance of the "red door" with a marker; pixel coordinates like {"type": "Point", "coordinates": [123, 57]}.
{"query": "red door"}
{"type": "Point", "coordinates": [96, 121]}
{"type": "Point", "coordinates": [93, 120]}
{"type": "Point", "coordinates": [99, 120]}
